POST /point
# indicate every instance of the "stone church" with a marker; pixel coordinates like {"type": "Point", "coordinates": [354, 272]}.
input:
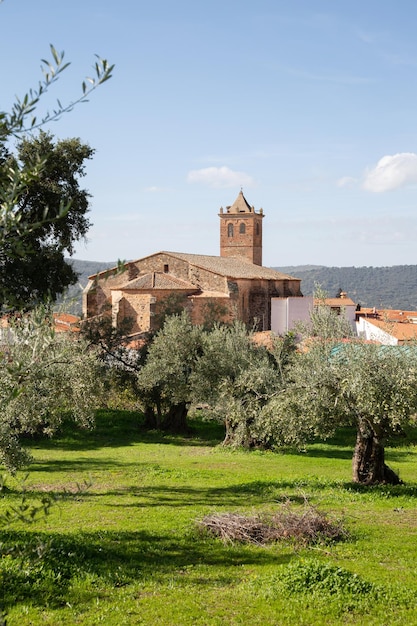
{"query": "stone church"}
{"type": "Point", "coordinates": [231, 286]}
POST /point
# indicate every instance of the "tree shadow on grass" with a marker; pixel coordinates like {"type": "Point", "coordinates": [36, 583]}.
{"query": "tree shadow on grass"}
{"type": "Point", "coordinates": [118, 559]}
{"type": "Point", "coordinates": [342, 444]}
{"type": "Point", "coordinates": [239, 496]}
{"type": "Point", "coordinates": [327, 453]}
{"type": "Point", "coordinates": [245, 496]}
{"type": "Point", "coordinates": [236, 497]}
{"type": "Point", "coordinates": [393, 454]}
{"type": "Point", "coordinates": [123, 428]}
{"type": "Point", "coordinates": [384, 491]}
{"type": "Point", "coordinates": [84, 465]}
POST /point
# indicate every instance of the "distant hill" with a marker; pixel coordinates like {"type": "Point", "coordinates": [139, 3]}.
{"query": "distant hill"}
{"type": "Point", "coordinates": [72, 300]}
{"type": "Point", "coordinates": [383, 287]}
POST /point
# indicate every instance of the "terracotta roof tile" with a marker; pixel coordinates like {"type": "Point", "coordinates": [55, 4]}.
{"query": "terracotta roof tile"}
{"type": "Point", "coordinates": [403, 331]}
{"type": "Point", "coordinates": [341, 302]}
{"type": "Point", "coordinates": [231, 267]}
{"type": "Point", "coordinates": [398, 315]}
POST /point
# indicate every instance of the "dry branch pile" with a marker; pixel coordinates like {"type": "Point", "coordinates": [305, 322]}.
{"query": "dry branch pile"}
{"type": "Point", "coordinates": [305, 527]}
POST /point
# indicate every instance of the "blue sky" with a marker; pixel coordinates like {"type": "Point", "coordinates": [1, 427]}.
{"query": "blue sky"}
{"type": "Point", "coordinates": [309, 105]}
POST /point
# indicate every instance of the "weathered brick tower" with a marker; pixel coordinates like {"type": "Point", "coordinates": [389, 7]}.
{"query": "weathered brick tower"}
{"type": "Point", "coordinates": [241, 231]}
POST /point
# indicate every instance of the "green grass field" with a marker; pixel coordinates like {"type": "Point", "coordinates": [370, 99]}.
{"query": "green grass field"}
{"type": "Point", "coordinates": [127, 550]}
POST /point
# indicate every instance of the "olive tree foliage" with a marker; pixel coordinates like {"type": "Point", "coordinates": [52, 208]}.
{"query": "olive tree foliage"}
{"type": "Point", "coordinates": [325, 322]}
{"type": "Point", "coordinates": [219, 366]}
{"type": "Point", "coordinates": [165, 380]}
{"type": "Point", "coordinates": [46, 377]}
{"type": "Point", "coordinates": [237, 378]}
{"type": "Point", "coordinates": [370, 387]}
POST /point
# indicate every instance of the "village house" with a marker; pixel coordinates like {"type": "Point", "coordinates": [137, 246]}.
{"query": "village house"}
{"type": "Point", "coordinates": [391, 327]}
{"type": "Point", "coordinates": [231, 286]}
{"type": "Point", "coordinates": [62, 323]}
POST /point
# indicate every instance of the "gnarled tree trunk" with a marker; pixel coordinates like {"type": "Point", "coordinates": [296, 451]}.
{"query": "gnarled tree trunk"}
{"type": "Point", "coordinates": [368, 463]}
{"type": "Point", "coordinates": [176, 418]}
{"type": "Point", "coordinates": [150, 417]}
{"type": "Point", "coordinates": [153, 413]}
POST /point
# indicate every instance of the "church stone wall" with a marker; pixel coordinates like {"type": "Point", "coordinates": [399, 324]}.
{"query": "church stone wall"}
{"type": "Point", "coordinates": [204, 310]}
{"type": "Point", "coordinates": [158, 263]}
{"type": "Point", "coordinates": [255, 299]}
{"type": "Point", "coordinates": [97, 296]}
{"type": "Point", "coordinates": [137, 307]}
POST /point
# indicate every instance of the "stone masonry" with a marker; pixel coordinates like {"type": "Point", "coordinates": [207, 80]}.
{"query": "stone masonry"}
{"type": "Point", "coordinates": [233, 285]}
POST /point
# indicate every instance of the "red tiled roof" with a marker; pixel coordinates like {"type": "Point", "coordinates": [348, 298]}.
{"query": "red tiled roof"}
{"type": "Point", "coordinates": [392, 315]}
{"type": "Point", "coordinates": [339, 302]}
{"type": "Point", "coordinates": [229, 267]}
{"type": "Point", "coordinates": [403, 331]}
{"type": "Point", "coordinates": [65, 322]}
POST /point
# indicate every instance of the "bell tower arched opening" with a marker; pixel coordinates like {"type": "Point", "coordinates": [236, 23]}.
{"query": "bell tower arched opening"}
{"type": "Point", "coordinates": [241, 231]}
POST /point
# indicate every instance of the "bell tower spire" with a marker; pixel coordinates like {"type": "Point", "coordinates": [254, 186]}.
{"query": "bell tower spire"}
{"type": "Point", "coordinates": [241, 231]}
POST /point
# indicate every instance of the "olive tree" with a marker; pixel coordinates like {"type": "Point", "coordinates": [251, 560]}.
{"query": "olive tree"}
{"type": "Point", "coordinates": [220, 366]}
{"type": "Point", "coordinates": [236, 378]}
{"type": "Point", "coordinates": [46, 377]}
{"type": "Point", "coordinates": [164, 380]}
{"type": "Point", "coordinates": [370, 387]}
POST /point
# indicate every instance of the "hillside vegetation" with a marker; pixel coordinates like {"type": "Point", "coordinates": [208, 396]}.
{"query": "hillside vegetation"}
{"type": "Point", "coordinates": [383, 287]}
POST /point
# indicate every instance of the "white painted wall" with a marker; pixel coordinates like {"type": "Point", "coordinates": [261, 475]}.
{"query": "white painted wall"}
{"type": "Point", "coordinates": [367, 330]}
{"type": "Point", "coordinates": [286, 312]}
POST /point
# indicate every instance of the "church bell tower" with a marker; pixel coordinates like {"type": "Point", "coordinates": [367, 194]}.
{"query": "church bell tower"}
{"type": "Point", "coordinates": [241, 231]}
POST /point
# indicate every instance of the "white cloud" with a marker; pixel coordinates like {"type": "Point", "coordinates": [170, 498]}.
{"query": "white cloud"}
{"type": "Point", "coordinates": [392, 172]}
{"type": "Point", "coordinates": [220, 177]}
{"type": "Point", "coordinates": [346, 181]}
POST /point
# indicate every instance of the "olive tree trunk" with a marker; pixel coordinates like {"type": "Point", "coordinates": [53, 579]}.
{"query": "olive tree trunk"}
{"type": "Point", "coordinates": [368, 463]}
{"type": "Point", "coordinates": [176, 419]}
{"type": "Point", "coordinates": [153, 413]}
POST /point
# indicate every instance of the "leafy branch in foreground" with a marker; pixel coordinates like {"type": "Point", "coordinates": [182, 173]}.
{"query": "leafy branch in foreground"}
{"type": "Point", "coordinates": [14, 123]}
{"type": "Point", "coordinates": [23, 119]}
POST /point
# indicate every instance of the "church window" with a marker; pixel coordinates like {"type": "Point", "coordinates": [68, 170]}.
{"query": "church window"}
{"type": "Point", "coordinates": [230, 230]}
{"type": "Point", "coordinates": [166, 268]}
{"type": "Point", "coordinates": [242, 228]}
{"type": "Point", "coordinates": [257, 228]}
